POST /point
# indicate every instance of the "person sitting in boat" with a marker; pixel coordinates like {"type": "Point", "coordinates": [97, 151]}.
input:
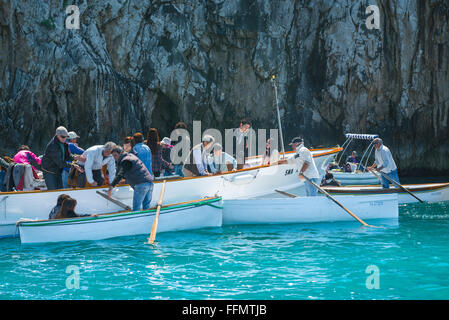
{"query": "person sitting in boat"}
{"type": "Point", "coordinates": [96, 157]}
{"type": "Point", "coordinates": [333, 166]}
{"type": "Point", "coordinates": [56, 157]}
{"type": "Point", "coordinates": [167, 165]}
{"type": "Point", "coordinates": [74, 149]}
{"type": "Point", "coordinates": [57, 207]}
{"type": "Point", "coordinates": [24, 155]}
{"type": "Point", "coordinates": [353, 158]}
{"type": "Point", "coordinates": [219, 160]}
{"type": "Point", "coordinates": [196, 162]}
{"type": "Point", "coordinates": [329, 180]}
{"type": "Point", "coordinates": [67, 210]}
{"type": "Point", "coordinates": [136, 174]}
{"type": "Point", "coordinates": [142, 151]}
{"type": "Point", "coordinates": [384, 162]}
{"type": "Point", "coordinates": [306, 165]}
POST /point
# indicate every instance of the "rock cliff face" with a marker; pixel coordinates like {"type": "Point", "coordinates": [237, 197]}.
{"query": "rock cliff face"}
{"type": "Point", "coordinates": [137, 64]}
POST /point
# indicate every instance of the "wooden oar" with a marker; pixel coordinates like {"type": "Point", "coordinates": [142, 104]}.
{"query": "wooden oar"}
{"type": "Point", "coordinates": [395, 183]}
{"type": "Point", "coordinates": [335, 200]}
{"type": "Point", "coordinates": [156, 219]}
{"type": "Point", "coordinates": [120, 204]}
{"type": "Point", "coordinates": [286, 193]}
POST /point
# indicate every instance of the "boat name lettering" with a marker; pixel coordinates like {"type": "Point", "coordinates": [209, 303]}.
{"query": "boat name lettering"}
{"type": "Point", "coordinates": [289, 171]}
{"type": "Point", "coordinates": [376, 203]}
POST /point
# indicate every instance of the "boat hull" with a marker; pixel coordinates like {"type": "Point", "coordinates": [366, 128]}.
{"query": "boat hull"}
{"type": "Point", "coordinates": [202, 214]}
{"type": "Point", "coordinates": [430, 192]}
{"type": "Point", "coordinates": [308, 209]}
{"type": "Point", "coordinates": [353, 178]}
{"type": "Point", "coordinates": [246, 183]}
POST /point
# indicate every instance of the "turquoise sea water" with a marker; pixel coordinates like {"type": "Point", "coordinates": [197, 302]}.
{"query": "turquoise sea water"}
{"type": "Point", "coordinates": [410, 259]}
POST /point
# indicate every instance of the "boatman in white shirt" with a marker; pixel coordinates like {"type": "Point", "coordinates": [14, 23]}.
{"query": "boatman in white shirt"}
{"type": "Point", "coordinates": [383, 161]}
{"type": "Point", "coordinates": [197, 160]}
{"type": "Point", "coordinates": [96, 158]}
{"type": "Point", "coordinates": [306, 166]}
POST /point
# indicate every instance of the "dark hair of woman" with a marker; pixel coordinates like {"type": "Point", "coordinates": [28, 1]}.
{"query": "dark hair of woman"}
{"type": "Point", "coordinates": [67, 209]}
{"type": "Point", "coordinates": [61, 198]}
{"type": "Point", "coordinates": [24, 147]}
{"type": "Point", "coordinates": [153, 140]}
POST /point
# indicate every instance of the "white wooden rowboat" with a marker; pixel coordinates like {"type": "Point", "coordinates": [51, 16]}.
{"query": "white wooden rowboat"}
{"type": "Point", "coordinates": [257, 180]}
{"type": "Point", "coordinates": [355, 178]}
{"type": "Point", "coordinates": [308, 209]}
{"type": "Point", "coordinates": [173, 217]}
{"type": "Point", "coordinates": [429, 192]}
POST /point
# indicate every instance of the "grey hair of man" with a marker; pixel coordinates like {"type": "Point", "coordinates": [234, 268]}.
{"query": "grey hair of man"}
{"type": "Point", "coordinates": [378, 140]}
{"type": "Point", "coordinates": [108, 146]}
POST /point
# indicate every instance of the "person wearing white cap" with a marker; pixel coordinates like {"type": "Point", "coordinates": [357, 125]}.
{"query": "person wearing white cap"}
{"type": "Point", "coordinates": [74, 149]}
{"type": "Point", "coordinates": [167, 164]}
{"type": "Point", "coordinates": [306, 166]}
{"type": "Point", "coordinates": [384, 162]}
{"type": "Point", "coordinates": [56, 157]}
{"type": "Point", "coordinates": [197, 160]}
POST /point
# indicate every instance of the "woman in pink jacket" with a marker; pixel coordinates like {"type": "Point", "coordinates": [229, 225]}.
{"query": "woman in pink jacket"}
{"type": "Point", "coordinates": [26, 156]}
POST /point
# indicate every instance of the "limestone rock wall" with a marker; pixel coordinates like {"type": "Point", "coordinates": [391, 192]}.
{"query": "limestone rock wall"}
{"type": "Point", "coordinates": [137, 64]}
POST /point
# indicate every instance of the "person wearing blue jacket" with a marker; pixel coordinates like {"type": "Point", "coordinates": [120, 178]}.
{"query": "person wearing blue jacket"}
{"type": "Point", "coordinates": [74, 149]}
{"type": "Point", "coordinates": [142, 151]}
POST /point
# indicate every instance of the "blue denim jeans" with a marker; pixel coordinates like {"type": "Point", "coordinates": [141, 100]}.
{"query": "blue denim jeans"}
{"type": "Point", "coordinates": [65, 179]}
{"type": "Point", "coordinates": [143, 193]}
{"type": "Point", "coordinates": [2, 177]}
{"type": "Point", "coordinates": [178, 170]}
{"type": "Point", "coordinates": [393, 175]}
{"type": "Point", "coordinates": [311, 191]}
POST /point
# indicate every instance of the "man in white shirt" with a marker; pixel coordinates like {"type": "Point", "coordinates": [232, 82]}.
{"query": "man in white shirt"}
{"type": "Point", "coordinates": [383, 161]}
{"type": "Point", "coordinates": [196, 162]}
{"type": "Point", "coordinates": [306, 166]}
{"type": "Point", "coordinates": [218, 160]}
{"type": "Point", "coordinates": [96, 158]}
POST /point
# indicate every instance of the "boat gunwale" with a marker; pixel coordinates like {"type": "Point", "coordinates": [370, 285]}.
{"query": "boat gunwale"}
{"type": "Point", "coordinates": [123, 213]}
{"type": "Point", "coordinates": [341, 190]}
{"type": "Point", "coordinates": [332, 150]}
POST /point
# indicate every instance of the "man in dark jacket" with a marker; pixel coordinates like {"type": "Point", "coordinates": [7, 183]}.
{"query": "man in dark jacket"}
{"type": "Point", "coordinates": [136, 174]}
{"type": "Point", "coordinates": [56, 158]}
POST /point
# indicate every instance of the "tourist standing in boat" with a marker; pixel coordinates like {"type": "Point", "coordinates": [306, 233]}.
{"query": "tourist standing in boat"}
{"type": "Point", "coordinates": [74, 149]}
{"type": "Point", "coordinates": [180, 131]}
{"type": "Point", "coordinates": [306, 165]}
{"type": "Point", "coordinates": [24, 155]}
{"type": "Point", "coordinates": [3, 168]}
{"type": "Point", "coordinates": [219, 160]}
{"type": "Point", "coordinates": [96, 157]}
{"type": "Point", "coordinates": [128, 144]}
{"type": "Point", "coordinates": [156, 151]}
{"type": "Point", "coordinates": [198, 158]}
{"type": "Point", "coordinates": [136, 174]}
{"type": "Point", "coordinates": [142, 151]}
{"type": "Point", "coordinates": [55, 159]}
{"type": "Point", "coordinates": [383, 161]}
{"type": "Point", "coordinates": [240, 133]}
{"type": "Point", "coordinates": [167, 164]}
